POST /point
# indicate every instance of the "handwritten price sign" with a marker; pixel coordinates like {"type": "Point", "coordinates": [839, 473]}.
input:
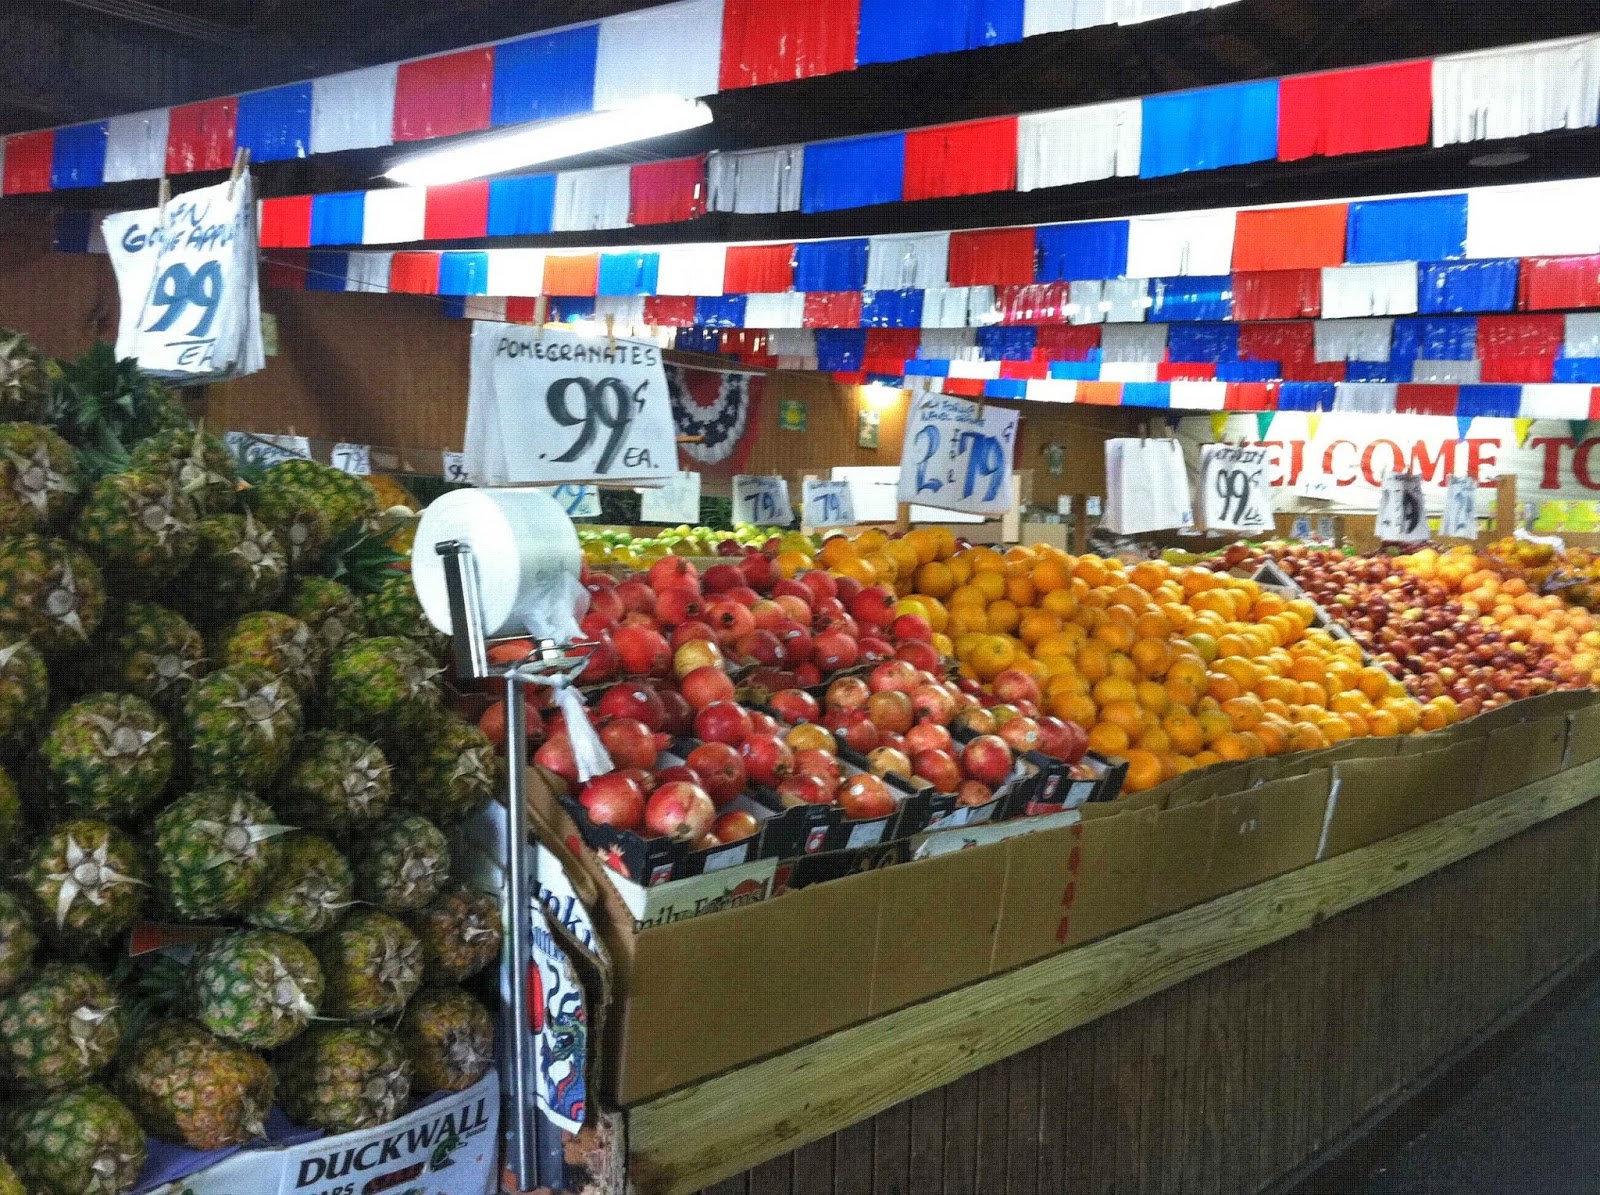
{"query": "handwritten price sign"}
{"type": "Point", "coordinates": [1402, 517]}
{"type": "Point", "coordinates": [1460, 519]}
{"type": "Point", "coordinates": [352, 458]}
{"type": "Point", "coordinates": [958, 456]}
{"type": "Point", "coordinates": [676, 502]}
{"type": "Point", "coordinates": [561, 408]}
{"type": "Point", "coordinates": [828, 504]}
{"type": "Point", "coordinates": [1236, 496]}
{"type": "Point", "coordinates": [579, 501]}
{"type": "Point", "coordinates": [455, 468]}
{"type": "Point", "coordinates": [763, 501]}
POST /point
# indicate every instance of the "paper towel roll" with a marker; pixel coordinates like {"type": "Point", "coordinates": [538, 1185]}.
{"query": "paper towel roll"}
{"type": "Point", "coordinates": [528, 559]}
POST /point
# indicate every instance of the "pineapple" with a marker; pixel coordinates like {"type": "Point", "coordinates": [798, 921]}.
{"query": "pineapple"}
{"type": "Point", "coordinates": [450, 770]}
{"type": "Point", "coordinates": [372, 964]}
{"type": "Point", "coordinates": [460, 933]}
{"type": "Point", "coordinates": [284, 646]}
{"type": "Point", "coordinates": [449, 1037]}
{"type": "Point", "coordinates": [213, 852]}
{"type": "Point", "coordinates": [385, 686]}
{"type": "Point", "coordinates": [11, 815]}
{"type": "Point", "coordinates": [87, 880]}
{"type": "Point", "coordinates": [10, 1184]}
{"type": "Point", "coordinates": [61, 1029]}
{"type": "Point", "coordinates": [349, 502]}
{"type": "Point", "coordinates": [190, 1087]}
{"type": "Point", "coordinates": [391, 495]}
{"type": "Point", "coordinates": [242, 723]}
{"type": "Point", "coordinates": [338, 783]}
{"type": "Point", "coordinates": [78, 1142]}
{"type": "Point", "coordinates": [308, 891]}
{"type": "Point", "coordinates": [41, 479]}
{"type": "Point", "coordinates": [50, 591]}
{"type": "Point", "coordinates": [330, 609]}
{"type": "Point", "coordinates": [345, 1078]}
{"type": "Point", "coordinates": [152, 653]}
{"type": "Point", "coordinates": [394, 609]}
{"type": "Point", "coordinates": [256, 987]}
{"type": "Point", "coordinates": [108, 755]}
{"type": "Point", "coordinates": [18, 940]}
{"type": "Point", "coordinates": [239, 566]}
{"type": "Point", "coordinates": [199, 462]}
{"type": "Point", "coordinates": [24, 690]}
{"type": "Point", "coordinates": [302, 527]}
{"type": "Point", "coordinates": [23, 380]}
{"type": "Point", "coordinates": [402, 863]}
{"type": "Point", "coordinates": [139, 528]}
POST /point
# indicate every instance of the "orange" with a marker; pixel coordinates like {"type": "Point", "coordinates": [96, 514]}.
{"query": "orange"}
{"type": "Point", "coordinates": [1144, 771]}
{"type": "Point", "coordinates": [1213, 724]}
{"type": "Point", "coordinates": [1253, 745]}
{"type": "Point", "coordinates": [1153, 624]}
{"type": "Point", "coordinates": [1075, 707]}
{"type": "Point", "coordinates": [1094, 660]}
{"type": "Point", "coordinates": [1091, 570]}
{"type": "Point", "coordinates": [989, 583]}
{"type": "Point", "coordinates": [1004, 616]}
{"type": "Point", "coordinates": [1108, 739]}
{"type": "Point", "coordinates": [1231, 747]}
{"type": "Point", "coordinates": [1129, 715]}
{"type": "Point", "coordinates": [1273, 737]}
{"type": "Point", "coordinates": [1183, 690]}
{"type": "Point", "coordinates": [1123, 666]}
{"type": "Point", "coordinates": [1205, 645]}
{"type": "Point", "coordinates": [1431, 718]}
{"type": "Point", "coordinates": [1337, 730]}
{"type": "Point", "coordinates": [1153, 696]}
{"type": "Point", "coordinates": [925, 541]}
{"type": "Point", "coordinates": [1059, 602]}
{"type": "Point", "coordinates": [1148, 574]}
{"type": "Point", "coordinates": [987, 560]}
{"type": "Point", "coordinates": [1307, 668]}
{"type": "Point", "coordinates": [1115, 634]}
{"type": "Point", "coordinates": [1374, 682]}
{"type": "Point", "coordinates": [1351, 702]}
{"type": "Point", "coordinates": [835, 549]}
{"type": "Point", "coordinates": [1050, 576]}
{"type": "Point", "coordinates": [1312, 693]}
{"type": "Point", "coordinates": [790, 563]}
{"type": "Point", "coordinates": [1184, 732]}
{"type": "Point", "coordinates": [1152, 656]}
{"type": "Point", "coordinates": [1155, 740]}
{"type": "Point", "coordinates": [1306, 737]}
{"type": "Point", "coordinates": [1131, 596]}
{"type": "Point", "coordinates": [1020, 590]}
{"type": "Point", "coordinates": [1204, 759]}
{"type": "Point", "coordinates": [1244, 712]}
{"type": "Point", "coordinates": [968, 618]}
{"type": "Point", "coordinates": [1358, 724]}
{"type": "Point", "coordinates": [1406, 713]}
{"type": "Point", "coordinates": [1114, 688]}
{"type": "Point", "coordinates": [991, 656]}
{"type": "Point", "coordinates": [1036, 626]}
{"type": "Point", "coordinates": [935, 579]}
{"type": "Point", "coordinates": [1057, 643]}
{"type": "Point", "coordinates": [905, 556]}
{"type": "Point", "coordinates": [1182, 763]}
{"type": "Point", "coordinates": [853, 567]}
{"type": "Point", "coordinates": [1382, 723]}
{"type": "Point", "coordinates": [1222, 686]}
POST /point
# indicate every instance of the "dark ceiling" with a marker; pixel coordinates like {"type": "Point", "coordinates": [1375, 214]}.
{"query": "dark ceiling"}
{"type": "Point", "coordinates": [81, 61]}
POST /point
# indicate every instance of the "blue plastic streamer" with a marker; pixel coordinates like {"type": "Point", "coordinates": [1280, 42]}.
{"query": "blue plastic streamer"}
{"type": "Point", "coordinates": [1377, 371]}
{"type": "Point", "coordinates": [720, 311]}
{"type": "Point", "coordinates": [545, 76]}
{"type": "Point", "coordinates": [1213, 343]}
{"type": "Point", "coordinates": [1196, 298]}
{"type": "Point", "coordinates": [841, 350]}
{"type": "Point", "coordinates": [919, 367]}
{"type": "Point", "coordinates": [1489, 285]}
{"type": "Point", "coordinates": [275, 125]}
{"type": "Point", "coordinates": [857, 172]}
{"type": "Point", "coordinates": [1493, 402]}
{"type": "Point", "coordinates": [1463, 425]}
{"type": "Point", "coordinates": [1249, 371]}
{"type": "Point", "coordinates": [71, 233]}
{"type": "Point", "coordinates": [698, 340]}
{"type": "Point", "coordinates": [1306, 396]}
{"type": "Point", "coordinates": [629, 273]}
{"type": "Point", "coordinates": [1433, 228]}
{"type": "Point", "coordinates": [1008, 343]}
{"type": "Point", "coordinates": [1075, 371]}
{"type": "Point", "coordinates": [1209, 128]}
{"type": "Point", "coordinates": [1577, 369]}
{"type": "Point", "coordinates": [453, 306]}
{"type": "Point", "coordinates": [338, 218]}
{"type": "Point", "coordinates": [894, 30]}
{"type": "Point", "coordinates": [1082, 252]}
{"type": "Point", "coordinates": [327, 271]}
{"type": "Point", "coordinates": [1435, 338]}
{"type": "Point", "coordinates": [1005, 388]}
{"type": "Point", "coordinates": [79, 156]}
{"type": "Point", "coordinates": [831, 265]}
{"type": "Point", "coordinates": [891, 309]}
{"type": "Point", "coordinates": [1157, 395]}
{"type": "Point", "coordinates": [521, 205]}
{"type": "Point", "coordinates": [463, 273]}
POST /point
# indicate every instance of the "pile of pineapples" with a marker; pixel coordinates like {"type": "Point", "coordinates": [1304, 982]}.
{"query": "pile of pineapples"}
{"type": "Point", "coordinates": [199, 724]}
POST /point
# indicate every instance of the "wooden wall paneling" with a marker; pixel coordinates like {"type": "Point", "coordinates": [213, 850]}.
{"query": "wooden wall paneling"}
{"type": "Point", "coordinates": [1078, 1055]}
{"type": "Point", "coordinates": [1133, 1090]}
{"type": "Point", "coordinates": [774, 1177]}
{"type": "Point", "coordinates": [925, 1142]}
{"type": "Point", "coordinates": [1167, 1140]}
{"type": "Point", "coordinates": [960, 1135]}
{"type": "Point", "coordinates": [813, 1168]}
{"type": "Point", "coordinates": [989, 1156]}
{"type": "Point", "coordinates": [64, 302]}
{"type": "Point", "coordinates": [739, 1184]}
{"type": "Point", "coordinates": [852, 1160]}
{"type": "Point", "coordinates": [1022, 1122]}
{"type": "Point", "coordinates": [1053, 1120]}
{"type": "Point", "coordinates": [891, 1149]}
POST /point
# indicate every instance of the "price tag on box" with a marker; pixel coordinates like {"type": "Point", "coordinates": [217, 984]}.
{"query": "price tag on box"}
{"type": "Point", "coordinates": [828, 504]}
{"type": "Point", "coordinates": [676, 502]}
{"type": "Point", "coordinates": [763, 501]}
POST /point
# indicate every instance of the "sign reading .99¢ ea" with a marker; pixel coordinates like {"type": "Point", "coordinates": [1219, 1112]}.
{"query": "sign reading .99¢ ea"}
{"type": "Point", "coordinates": [958, 455]}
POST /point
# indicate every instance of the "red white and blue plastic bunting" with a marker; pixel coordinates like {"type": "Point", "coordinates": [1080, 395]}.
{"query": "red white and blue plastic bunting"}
{"type": "Point", "coordinates": [689, 49]}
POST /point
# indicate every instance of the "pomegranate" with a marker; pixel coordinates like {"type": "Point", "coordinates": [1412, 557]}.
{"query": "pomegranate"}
{"type": "Point", "coordinates": [795, 706]}
{"type": "Point", "coordinates": [637, 597]}
{"type": "Point", "coordinates": [603, 660]}
{"type": "Point", "coordinates": [884, 760]}
{"type": "Point", "coordinates": [680, 811]}
{"type": "Point", "coordinates": [847, 588]}
{"type": "Point", "coordinates": [730, 620]}
{"type": "Point", "coordinates": [757, 571]}
{"type": "Point", "coordinates": [890, 710]}
{"type": "Point", "coordinates": [791, 587]}
{"type": "Point", "coordinates": [630, 699]}
{"type": "Point", "coordinates": [493, 722]}
{"type": "Point", "coordinates": [864, 797]}
{"type": "Point", "coordinates": [847, 693]}
{"type": "Point", "coordinates": [674, 570]}
{"type": "Point", "coordinates": [929, 736]}
{"type": "Point", "coordinates": [735, 825]}
{"type": "Point", "coordinates": [614, 800]}
{"type": "Point", "coordinates": [762, 723]}
{"type": "Point", "coordinates": [1013, 686]}
{"type": "Point", "coordinates": [720, 578]}
{"type": "Point", "coordinates": [922, 656]}
{"type": "Point", "coordinates": [556, 756]}
{"type": "Point", "coordinates": [704, 686]}
{"type": "Point", "coordinates": [695, 654]}
{"type": "Point", "coordinates": [833, 650]}
{"type": "Point", "coordinates": [796, 640]}
{"type": "Point", "coordinates": [743, 595]}
{"type": "Point", "coordinates": [805, 789]}
{"type": "Point", "coordinates": [677, 771]}
{"type": "Point", "coordinates": [855, 729]}
{"type": "Point", "coordinates": [1063, 740]}
{"type": "Point", "coordinates": [721, 771]}
{"type": "Point", "coordinates": [873, 607]}
{"type": "Point", "coordinates": [722, 722]}
{"type": "Point", "coordinates": [763, 647]}
{"type": "Point", "coordinates": [822, 764]}
{"type": "Point", "coordinates": [1021, 733]}
{"type": "Point", "coordinates": [767, 614]}
{"type": "Point", "coordinates": [688, 632]}
{"type": "Point", "coordinates": [987, 758]}
{"type": "Point", "coordinates": [647, 783]}
{"type": "Point", "coordinates": [767, 758]}
{"type": "Point", "coordinates": [933, 703]}
{"type": "Point", "coordinates": [678, 604]}
{"type": "Point", "coordinates": [975, 721]}
{"type": "Point", "coordinates": [938, 768]}
{"type": "Point", "coordinates": [630, 743]}
{"type": "Point", "coordinates": [888, 738]}
{"type": "Point", "coordinates": [797, 608]}
{"type": "Point", "coordinates": [643, 651]}
{"type": "Point", "coordinates": [807, 675]}
{"type": "Point", "coordinates": [830, 612]}
{"type": "Point", "coordinates": [677, 716]}
{"type": "Point", "coordinates": [820, 585]}
{"type": "Point", "coordinates": [896, 676]}
{"type": "Point", "coordinates": [912, 627]}
{"type": "Point", "coordinates": [973, 793]}
{"type": "Point", "coordinates": [604, 603]}
{"type": "Point", "coordinates": [874, 649]}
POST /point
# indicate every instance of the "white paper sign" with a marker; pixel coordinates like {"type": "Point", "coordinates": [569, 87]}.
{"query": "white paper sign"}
{"type": "Point", "coordinates": [1402, 516]}
{"type": "Point", "coordinates": [267, 450]}
{"type": "Point", "coordinates": [1460, 518]}
{"type": "Point", "coordinates": [558, 407]}
{"type": "Point", "coordinates": [188, 275]}
{"type": "Point", "coordinates": [455, 468]}
{"type": "Point", "coordinates": [352, 458]}
{"type": "Point", "coordinates": [958, 455]}
{"type": "Point", "coordinates": [828, 504]}
{"type": "Point", "coordinates": [1235, 495]}
{"type": "Point", "coordinates": [676, 502]}
{"type": "Point", "coordinates": [579, 501]}
{"type": "Point", "coordinates": [763, 501]}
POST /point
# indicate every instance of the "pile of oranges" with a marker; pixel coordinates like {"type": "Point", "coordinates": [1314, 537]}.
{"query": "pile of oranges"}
{"type": "Point", "coordinates": [1170, 668]}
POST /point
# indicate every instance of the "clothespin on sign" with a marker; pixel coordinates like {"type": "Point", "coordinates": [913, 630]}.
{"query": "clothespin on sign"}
{"type": "Point", "coordinates": [241, 162]}
{"type": "Point", "coordinates": [163, 197]}
{"type": "Point", "coordinates": [541, 310]}
{"type": "Point", "coordinates": [611, 332]}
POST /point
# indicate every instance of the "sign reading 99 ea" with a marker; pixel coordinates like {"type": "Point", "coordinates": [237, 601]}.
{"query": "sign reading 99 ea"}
{"type": "Point", "coordinates": [958, 455]}
{"type": "Point", "coordinates": [558, 407]}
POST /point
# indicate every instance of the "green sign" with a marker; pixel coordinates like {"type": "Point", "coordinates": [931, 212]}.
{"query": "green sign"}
{"type": "Point", "coordinates": [791, 415]}
{"type": "Point", "coordinates": [867, 429]}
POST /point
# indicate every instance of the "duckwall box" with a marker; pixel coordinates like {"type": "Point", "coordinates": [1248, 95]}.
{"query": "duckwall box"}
{"type": "Point", "coordinates": [450, 1146]}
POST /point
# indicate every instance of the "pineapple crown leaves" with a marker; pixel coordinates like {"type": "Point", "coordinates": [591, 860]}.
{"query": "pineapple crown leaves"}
{"type": "Point", "coordinates": [61, 603]}
{"type": "Point", "coordinates": [88, 874]}
{"type": "Point", "coordinates": [37, 478]}
{"type": "Point", "coordinates": [253, 547]}
{"type": "Point", "coordinates": [362, 558]}
{"type": "Point", "coordinates": [120, 739]}
{"type": "Point", "coordinates": [237, 837]}
{"type": "Point", "coordinates": [260, 705]}
{"type": "Point", "coordinates": [155, 984]}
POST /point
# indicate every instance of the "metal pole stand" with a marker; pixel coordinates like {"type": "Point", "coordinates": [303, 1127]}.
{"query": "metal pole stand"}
{"type": "Point", "coordinates": [544, 664]}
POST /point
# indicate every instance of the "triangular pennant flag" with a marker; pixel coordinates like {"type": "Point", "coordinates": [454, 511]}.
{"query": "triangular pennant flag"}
{"type": "Point", "coordinates": [1263, 422]}
{"type": "Point", "coordinates": [1523, 427]}
{"type": "Point", "coordinates": [1579, 429]}
{"type": "Point", "coordinates": [1463, 422]}
{"type": "Point", "coordinates": [1313, 421]}
{"type": "Point", "coordinates": [1219, 423]}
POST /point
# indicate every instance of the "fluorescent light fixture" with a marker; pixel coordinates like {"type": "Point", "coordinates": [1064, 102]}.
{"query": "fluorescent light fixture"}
{"type": "Point", "coordinates": [550, 141]}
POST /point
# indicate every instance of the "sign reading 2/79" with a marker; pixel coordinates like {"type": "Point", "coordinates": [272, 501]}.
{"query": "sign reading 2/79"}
{"type": "Point", "coordinates": [958, 455]}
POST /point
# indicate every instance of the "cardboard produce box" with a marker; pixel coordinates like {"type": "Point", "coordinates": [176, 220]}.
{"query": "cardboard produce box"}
{"type": "Point", "coordinates": [1375, 798]}
{"type": "Point", "coordinates": [1267, 830]}
{"type": "Point", "coordinates": [1522, 753]}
